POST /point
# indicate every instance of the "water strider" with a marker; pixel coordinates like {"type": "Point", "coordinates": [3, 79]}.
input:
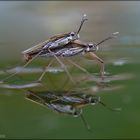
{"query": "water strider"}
{"type": "Point", "coordinates": [65, 45]}
{"type": "Point", "coordinates": [75, 98]}
{"type": "Point", "coordinates": [74, 48]}
{"type": "Point", "coordinates": [55, 42]}
{"type": "Point", "coordinates": [59, 107]}
{"type": "Point", "coordinates": [71, 104]}
{"type": "Point", "coordinates": [78, 47]}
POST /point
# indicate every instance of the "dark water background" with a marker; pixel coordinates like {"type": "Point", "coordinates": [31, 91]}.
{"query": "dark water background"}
{"type": "Point", "coordinates": [24, 24]}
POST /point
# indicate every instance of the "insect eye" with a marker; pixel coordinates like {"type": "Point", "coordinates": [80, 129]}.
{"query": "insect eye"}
{"type": "Point", "coordinates": [90, 45]}
{"type": "Point", "coordinates": [72, 33]}
{"type": "Point", "coordinates": [77, 112]}
{"type": "Point", "coordinates": [94, 100]}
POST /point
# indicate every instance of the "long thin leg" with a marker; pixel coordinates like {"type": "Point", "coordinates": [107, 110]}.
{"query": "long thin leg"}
{"type": "Point", "coordinates": [31, 92]}
{"type": "Point", "coordinates": [78, 82]}
{"type": "Point", "coordinates": [44, 72]}
{"type": "Point", "coordinates": [3, 80]}
{"type": "Point", "coordinates": [66, 81]}
{"type": "Point", "coordinates": [93, 56]}
{"type": "Point", "coordinates": [78, 66]}
{"type": "Point", "coordinates": [112, 109]}
{"type": "Point", "coordinates": [85, 123]}
{"type": "Point", "coordinates": [63, 66]}
{"type": "Point", "coordinates": [82, 69]}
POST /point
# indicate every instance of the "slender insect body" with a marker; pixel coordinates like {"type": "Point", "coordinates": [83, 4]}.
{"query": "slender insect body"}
{"type": "Point", "coordinates": [66, 104]}
{"type": "Point", "coordinates": [72, 99]}
{"type": "Point", "coordinates": [59, 42]}
{"type": "Point", "coordinates": [46, 95]}
{"type": "Point", "coordinates": [71, 49]}
{"type": "Point", "coordinates": [56, 42]}
{"type": "Point", "coordinates": [60, 98]}
{"type": "Point", "coordinates": [67, 109]}
{"type": "Point", "coordinates": [64, 52]}
{"type": "Point", "coordinates": [62, 41]}
{"type": "Point", "coordinates": [80, 99]}
{"type": "Point", "coordinates": [59, 107]}
{"type": "Point", "coordinates": [71, 52]}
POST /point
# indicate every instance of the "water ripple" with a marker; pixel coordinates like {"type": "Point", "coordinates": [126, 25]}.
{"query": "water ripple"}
{"type": "Point", "coordinates": [32, 70]}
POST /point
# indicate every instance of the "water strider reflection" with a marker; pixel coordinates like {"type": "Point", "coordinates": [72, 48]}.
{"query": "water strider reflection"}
{"type": "Point", "coordinates": [67, 102]}
{"type": "Point", "coordinates": [70, 102]}
{"type": "Point", "coordinates": [42, 20]}
{"type": "Point", "coordinates": [73, 100]}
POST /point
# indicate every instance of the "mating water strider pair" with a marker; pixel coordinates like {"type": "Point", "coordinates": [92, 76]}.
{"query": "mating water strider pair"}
{"type": "Point", "coordinates": [61, 46]}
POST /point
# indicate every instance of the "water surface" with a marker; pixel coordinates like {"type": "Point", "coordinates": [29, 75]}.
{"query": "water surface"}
{"type": "Point", "coordinates": [24, 24]}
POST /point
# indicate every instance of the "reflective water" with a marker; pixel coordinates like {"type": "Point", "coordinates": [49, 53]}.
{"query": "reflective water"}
{"type": "Point", "coordinates": [24, 24]}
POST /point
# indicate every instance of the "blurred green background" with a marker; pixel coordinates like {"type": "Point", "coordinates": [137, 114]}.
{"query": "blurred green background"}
{"type": "Point", "coordinates": [24, 24]}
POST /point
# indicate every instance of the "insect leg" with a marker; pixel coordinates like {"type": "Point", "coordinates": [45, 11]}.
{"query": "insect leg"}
{"type": "Point", "coordinates": [78, 66]}
{"type": "Point", "coordinates": [33, 94]}
{"type": "Point", "coordinates": [44, 72]}
{"type": "Point", "coordinates": [112, 109]}
{"type": "Point", "coordinates": [8, 77]}
{"type": "Point", "coordinates": [93, 56]}
{"type": "Point", "coordinates": [85, 122]}
{"type": "Point", "coordinates": [63, 66]}
{"type": "Point", "coordinates": [55, 100]}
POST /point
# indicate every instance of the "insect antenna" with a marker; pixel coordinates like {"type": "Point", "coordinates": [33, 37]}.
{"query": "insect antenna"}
{"type": "Point", "coordinates": [85, 123]}
{"type": "Point", "coordinates": [112, 109]}
{"type": "Point", "coordinates": [110, 37]}
{"type": "Point", "coordinates": [82, 21]}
